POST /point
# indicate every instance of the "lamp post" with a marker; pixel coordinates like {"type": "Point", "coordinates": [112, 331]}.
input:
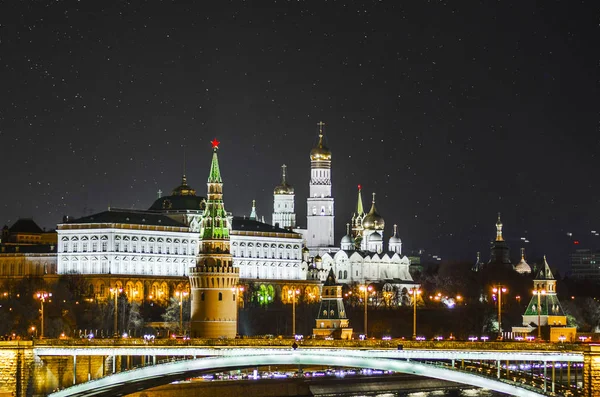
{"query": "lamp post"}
{"type": "Point", "coordinates": [42, 296]}
{"type": "Point", "coordinates": [499, 290]}
{"type": "Point", "coordinates": [293, 294]}
{"type": "Point", "coordinates": [180, 295]}
{"type": "Point", "coordinates": [116, 291]}
{"type": "Point", "coordinates": [366, 289]}
{"type": "Point", "coordinates": [539, 293]}
{"type": "Point", "coordinates": [415, 291]}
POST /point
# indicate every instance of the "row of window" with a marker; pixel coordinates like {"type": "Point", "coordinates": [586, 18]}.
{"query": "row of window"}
{"type": "Point", "coordinates": [265, 254]}
{"type": "Point", "coordinates": [126, 247]}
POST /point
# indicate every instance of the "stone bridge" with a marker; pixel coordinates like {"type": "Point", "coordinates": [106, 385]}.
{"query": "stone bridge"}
{"type": "Point", "coordinates": [97, 367]}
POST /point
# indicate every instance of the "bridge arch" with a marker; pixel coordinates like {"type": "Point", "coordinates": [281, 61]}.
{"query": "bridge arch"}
{"type": "Point", "coordinates": [151, 376]}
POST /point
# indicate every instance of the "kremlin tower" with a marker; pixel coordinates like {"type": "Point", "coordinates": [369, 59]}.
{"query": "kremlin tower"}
{"type": "Point", "coordinates": [214, 280]}
{"type": "Point", "coordinates": [319, 222]}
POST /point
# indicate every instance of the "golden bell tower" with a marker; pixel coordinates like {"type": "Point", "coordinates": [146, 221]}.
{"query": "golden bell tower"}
{"type": "Point", "coordinates": [213, 280]}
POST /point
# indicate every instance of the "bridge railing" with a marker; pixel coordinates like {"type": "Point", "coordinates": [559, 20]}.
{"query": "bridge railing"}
{"type": "Point", "coordinates": [368, 344]}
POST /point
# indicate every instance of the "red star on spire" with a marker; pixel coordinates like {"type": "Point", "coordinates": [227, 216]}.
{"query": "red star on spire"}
{"type": "Point", "coordinates": [215, 143]}
{"type": "Point", "coordinates": [359, 187]}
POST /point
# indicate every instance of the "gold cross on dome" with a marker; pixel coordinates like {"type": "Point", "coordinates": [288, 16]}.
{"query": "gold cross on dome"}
{"type": "Point", "coordinates": [321, 125]}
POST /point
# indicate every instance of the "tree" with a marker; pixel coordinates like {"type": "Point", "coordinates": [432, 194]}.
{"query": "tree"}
{"type": "Point", "coordinates": [171, 314]}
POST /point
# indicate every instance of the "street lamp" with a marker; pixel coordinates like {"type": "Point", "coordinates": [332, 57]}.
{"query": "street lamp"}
{"type": "Point", "coordinates": [293, 294]}
{"type": "Point", "coordinates": [539, 293]}
{"type": "Point", "coordinates": [499, 290]}
{"type": "Point", "coordinates": [366, 289]}
{"type": "Point", "coordinates": [116, 291]}
{"type": "Point", "coordinates": [415, 291]}
{"type": "Point", "coordinates": [180, 295]}
{"type": "Point", "coordinates": [42, 296]}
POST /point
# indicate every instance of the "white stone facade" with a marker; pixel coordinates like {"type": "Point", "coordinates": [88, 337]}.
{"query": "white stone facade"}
{"type": "Point", "coordinates": [130, 249]}
{"type": "Point", "coordinates": [125, 250]}
{"type": "Point", "coordinates": [361, 267]}
{"type": "Point", "coordinates": [283, 211]}
{"type": "Point", "coordinates": [268, 258]}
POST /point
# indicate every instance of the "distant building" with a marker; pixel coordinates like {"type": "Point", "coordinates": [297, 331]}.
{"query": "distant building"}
{"type": "Point", "coordinates": [26, 250]}
{"type": "Point", "coordinates": [544, 310]}
{"type": "Point", "coordinates": [500, 254]}
{"type": "Point", "coordinates": [499, 251]}
{"type": "Point", "coordinates": [585, 264]}
{"type": "Point", "coordinates": [26, 232]}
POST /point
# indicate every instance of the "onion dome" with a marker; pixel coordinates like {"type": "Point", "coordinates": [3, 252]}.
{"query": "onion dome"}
{"type": "Point", "coordinates": [305, 250]}
{"type": "Point", "coordinates": [318, 259]}
{"type": "Point", "coordinates": [523, 267]}
{"type": "Point", "coordinates": [347, 241]}
{"type": "Point", "coordinates": [320, 152]}
{"type": "Point", "coordinates": [183, 189]}
{"type": "Point", "coordinates": [395, 239]}
{"type": "Point", "coordinates": [373, 221]}
{"type": "Point", "coordinates": [283, 187]}
{"type": "Point", "coordinates": [375, 237]}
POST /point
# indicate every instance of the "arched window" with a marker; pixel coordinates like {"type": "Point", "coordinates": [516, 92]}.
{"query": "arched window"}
{"type": "Point", "coordinates": [340, 274]}
{"type": "Point", "coordinates": [220, 296]}
{"type": "Point", "coordinates": [202, 297]}
{"type": "Point", "coordinates": [345, 273]}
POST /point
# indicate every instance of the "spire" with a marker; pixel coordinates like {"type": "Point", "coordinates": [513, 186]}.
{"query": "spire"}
{"type": "Point", "coordinates": [215, 172]}
{"type": "Point", "coordinates": [395, 230]}
{"type": "Point", "coordinates": [347, 229]}
{"type": "Point", "coordinates": [253, 215]}
{"type": "Point", "coordinates": [321, 125]}
{"type": "Point", "coordinates": [214, 224]}
{"type": "Point", "coordinates": [373, 210]}
{"type": "Point", "coordinates": [159, 193]}
{"type": "Point", "coordinates": [545, 272]}
{"type": "Point", "coordinates": [499, 229]}
{"type": "Point", "coordinates": [522, 253]}
{"type": "Point", "coordinates": [359, 204]}
{"type": "Point", "coordinates": [283, 181]}
{"type": "Point", "coordinates": [184, 164]}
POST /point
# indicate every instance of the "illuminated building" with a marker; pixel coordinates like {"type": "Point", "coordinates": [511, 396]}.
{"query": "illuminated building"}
{"type": "Point", "coordinates": [319, 232]}
{"type": "Point", "coordinates": [585, 264]}
{"type": "Point", "coordinates": [214, 279]}
{"type": "Point", "coordinates": [545, 310]}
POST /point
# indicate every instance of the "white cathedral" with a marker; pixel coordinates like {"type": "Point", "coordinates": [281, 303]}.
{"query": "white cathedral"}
{"type": "Point", "coordinates": [164, 240]}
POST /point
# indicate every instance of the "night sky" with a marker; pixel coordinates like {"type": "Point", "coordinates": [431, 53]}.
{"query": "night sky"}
{"type": "Point", "coordinates": [450, 111]}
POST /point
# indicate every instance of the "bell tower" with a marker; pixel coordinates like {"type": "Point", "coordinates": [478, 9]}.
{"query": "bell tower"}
{"type": "Point", "coordinates": [320, 215]}
{"type": "Point", "coordinates": [214, 280]}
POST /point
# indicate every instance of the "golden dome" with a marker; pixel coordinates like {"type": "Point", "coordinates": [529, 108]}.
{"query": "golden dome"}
{"type": "Point", "coordinates": [283, 187]}
{"type": "Point", "coordinates": [373, 221]}
{"type": "Point", "coordinates": [183, 189]}
{"type": "Point", "coordinates": [320, 152]}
